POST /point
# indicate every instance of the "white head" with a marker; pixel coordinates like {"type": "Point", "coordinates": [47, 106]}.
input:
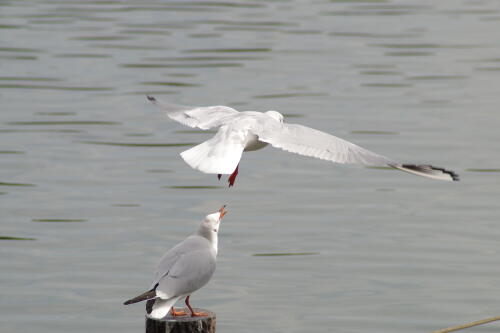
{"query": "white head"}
{"type": "Point", "coordinates": [212, 221]}
{"type": "Point", "coordinates": [275, 115]}
{"type": "Point", "coordinates": [210, 227]}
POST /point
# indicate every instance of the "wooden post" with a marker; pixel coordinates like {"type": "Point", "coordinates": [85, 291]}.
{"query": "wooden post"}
{"type": "Point", "coordinates": [182, 324]}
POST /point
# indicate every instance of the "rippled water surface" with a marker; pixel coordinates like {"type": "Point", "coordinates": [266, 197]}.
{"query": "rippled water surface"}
{"type": "Point", "coordinates": [93, 190]}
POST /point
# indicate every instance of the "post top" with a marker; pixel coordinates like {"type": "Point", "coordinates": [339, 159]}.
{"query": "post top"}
{"type": "Point", "coordinates": [187, 318]}
{"type": "Point", "coordinates": [182, 324]}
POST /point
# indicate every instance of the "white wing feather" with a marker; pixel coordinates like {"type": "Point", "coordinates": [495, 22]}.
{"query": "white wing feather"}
{"type": "Point", "coordinates": [220, 154]}
{"type": "Point", "coordinates": [205, 117]}
{"type": "Point", "coordinates": [310, 142]}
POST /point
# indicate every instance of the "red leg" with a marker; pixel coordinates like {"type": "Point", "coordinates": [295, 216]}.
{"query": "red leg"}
{"type": "Point", "coordinates": [193, 313]}
{"type": "Point", "coordinates": [219, 175]}
{"type": "Point", "coordinates": [177, 313]}
{"type": "Point", "coordinates": [232, 178]}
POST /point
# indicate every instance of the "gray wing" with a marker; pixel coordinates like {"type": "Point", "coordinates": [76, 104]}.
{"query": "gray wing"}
{"type": "Point", "coordinates": [204, 117]}
{"type": "Point", "coordinates": [311, 142]}
{"type": "Point", "coordinates": [168, 260]}
{"type": "Point", "coordinates": [191, 271]}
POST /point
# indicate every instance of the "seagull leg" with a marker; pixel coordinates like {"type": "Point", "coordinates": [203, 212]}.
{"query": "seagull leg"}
{"type": "Point", "coordinates": [232, 178]}
{"type": "Point", "coordinates": [193, 313]}
{"type": "Point", "coordinates": [177, 313]}
{"type": "Point", "coordinates": [219, 175]}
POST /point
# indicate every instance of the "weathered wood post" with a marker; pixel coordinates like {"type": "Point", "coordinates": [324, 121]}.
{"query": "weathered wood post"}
{"type": "Point", "coordinates": [182, 324]}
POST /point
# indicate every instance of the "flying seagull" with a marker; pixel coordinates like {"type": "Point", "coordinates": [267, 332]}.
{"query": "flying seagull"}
{"type": "Point", "coordinates": [251, 130]}
{"type": "Point", "coordinates": [185, 268]}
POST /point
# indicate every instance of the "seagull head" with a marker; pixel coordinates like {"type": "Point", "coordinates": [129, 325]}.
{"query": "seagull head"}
{"type": "Point", "coordinates": [212, 221]}
{"type": "Point", "coordinates": [275, 115]}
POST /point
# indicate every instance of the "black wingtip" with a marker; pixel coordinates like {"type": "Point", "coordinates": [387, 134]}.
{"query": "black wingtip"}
{"type": "Point", "coordinates": [454, 175]}
{"type": "Point", "coordinates": [151, 98]}
{"type": "Point", "coordinates": [142, 297]}
{"type": "Point", "coordinates": [429, 169]}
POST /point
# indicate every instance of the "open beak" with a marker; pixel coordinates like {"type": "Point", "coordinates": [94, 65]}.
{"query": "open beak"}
{"type": "Point", "coordinates": [222, 212]}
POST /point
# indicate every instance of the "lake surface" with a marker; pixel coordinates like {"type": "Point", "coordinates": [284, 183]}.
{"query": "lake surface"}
{"type": "Point", "coordinates": [91, 174]}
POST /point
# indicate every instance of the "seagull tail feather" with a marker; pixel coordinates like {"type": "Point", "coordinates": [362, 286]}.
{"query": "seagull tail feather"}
{"type": "Point", "coordinates": [209, 158]}
{"type": "Point", "coordinates": [142, 297]}
{"type": "Point", "coordinates": [159, 308]}
{"type": "Point", "coordinates": [428, 171]}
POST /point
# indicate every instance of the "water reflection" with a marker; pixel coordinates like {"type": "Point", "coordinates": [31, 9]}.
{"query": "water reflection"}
{"type": "Point", "coordinates": [49, 87]}
{"type": "Point", "coordinates": [15, 238]}
{"type": "Point", "coordinates": [62, 122]}
{"type": "Point", "coordinates": [284, 254]}
{"type": "Point", "coordinates": [134, 144]}
{"type": "Point", "coordinates": [59, 220]}
{"type": "Point", "coordinates": [15, 184]}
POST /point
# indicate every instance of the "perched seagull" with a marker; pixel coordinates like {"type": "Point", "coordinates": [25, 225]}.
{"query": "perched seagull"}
{"type": "Point", "coordinates": [252, 130]}
{"type": "Point", "coordinates": [185, 268]}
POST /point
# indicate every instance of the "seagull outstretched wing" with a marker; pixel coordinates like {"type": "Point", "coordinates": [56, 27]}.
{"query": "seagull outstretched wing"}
{"type": "Point", "coordinates": [203, 117]}
{"type": "Point", "coordinates": [311, 142]}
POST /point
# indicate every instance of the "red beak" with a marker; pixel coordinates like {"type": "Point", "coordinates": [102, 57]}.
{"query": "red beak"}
{"type": "Point", "coordinates": [222, 212]}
